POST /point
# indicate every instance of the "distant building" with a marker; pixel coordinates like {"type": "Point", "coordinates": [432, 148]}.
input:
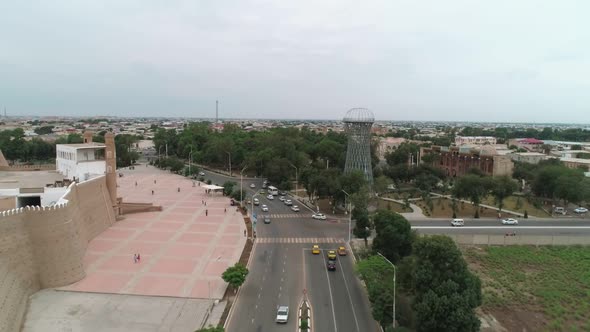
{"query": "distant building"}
{"type": "Point", "coordinates": [529, 144]}
{"type": "Point", "coordinates": [387, 145]}
{"type": "Point", "coordinates": [457, 161]}
{"type": "Point", "coordinates": [477, 140]}
{"type": "Point", "coordinates": [528, 157]}
{"type": "Point", "coordinates": [576, 163]}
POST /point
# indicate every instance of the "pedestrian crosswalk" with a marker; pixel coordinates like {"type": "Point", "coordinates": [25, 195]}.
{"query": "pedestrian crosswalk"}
{"type": "Point", "coordinates": [289, 215]}
{"type": "Point", "coordinates": [299, 240]}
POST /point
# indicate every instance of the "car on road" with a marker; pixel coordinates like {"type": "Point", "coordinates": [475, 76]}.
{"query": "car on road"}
{"type": "Point", "coordinates": [266, 219]}
{"type": "Point", "coordinates": [264, 185]}
{"type": "Point", "coordinates": [288, 202]}
{"type": "Point", "coordinates": [457, 222]}
{"type": "Point", "coordinates": [270, 197]}
{"type": "Point", "coordinates": [331, 265]}
{"type": "Point", "coordinates": [264, 208]}
{"type": "Point", "coordinates": [295, 208]}
{"type": "Point", "coordinates": [282, 193]}
{"type": "Point", "coordinates": [342, 251]}
{"type": "Point", "coordinates": [319, 216]}
{"type": "Point", "coordinates": [262, 192]}
{"type": "Point", "coordinates": [282, 198]}
{"type": "Point", "coordinates": [509, 221]}
{"type": "Point", "coordinates": [282, 314]}
{"type": "Point", "coordinates": [256, 201]}
{"type": "Point", "coordinates": [331, 255]}
{"type": "Point", "coordinates": [201, 173]}
{"type": "Point", "coordinates": [581, 210]}
{"type": "Point", "coordinates": [315, 249]}
{"type": "Point", "coordinates": [252, 185]}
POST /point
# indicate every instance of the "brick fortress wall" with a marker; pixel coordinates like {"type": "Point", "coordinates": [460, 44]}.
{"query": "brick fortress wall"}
{"type": "Point", "coordinates": [44, 247]}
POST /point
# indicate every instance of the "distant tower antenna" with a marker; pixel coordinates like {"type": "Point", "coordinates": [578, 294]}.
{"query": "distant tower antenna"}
{"type": "Point", "coordinates": [216, 111]}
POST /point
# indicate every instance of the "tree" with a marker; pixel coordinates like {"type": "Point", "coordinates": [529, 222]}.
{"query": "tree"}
{"type": "Point", "coordinates": [228, 187]}
{"type": "Point", "coordinates": [446, 291]}
{"type": "Point", "coordinates": [211, 329]}
{"type": "Point", "coordinates": [175, 164]}
{"type": "Point", "coordinates": [472, 187]}
{"type": "Point", "coordinates": [377, 275]}
{"type": "Point", "coordinates": [44, 130]}
{"type": "Point", "coordinates": [502, 187]}
{"type": "Point", "coordinates": [382, 184]}
{"type": "Point", "coordinates": [235, 275]}
{"type": "Point", "coordinates": [362, 228]}
{"type": "Point", "coordinates": [394, 235]}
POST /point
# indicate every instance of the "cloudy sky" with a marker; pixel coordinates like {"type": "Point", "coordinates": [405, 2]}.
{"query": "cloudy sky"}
{"type": "Point", "coordinates": [522, 61]}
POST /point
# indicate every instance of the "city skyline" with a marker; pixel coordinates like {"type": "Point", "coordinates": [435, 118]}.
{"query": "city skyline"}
{"type": "Point", "coordinates": [497, 62]}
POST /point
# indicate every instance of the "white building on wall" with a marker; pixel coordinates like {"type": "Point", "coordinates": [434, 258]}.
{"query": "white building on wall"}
{"type": "Point", "coordinates": [476, 140]}
{"type": "Point", "coordinates": [80, 161]}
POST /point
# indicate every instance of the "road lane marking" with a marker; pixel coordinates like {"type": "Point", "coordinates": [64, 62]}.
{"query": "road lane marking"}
{"type": "Point", "coordinates": [349, 297]}
{"type": "Point", "coordinates": [331, 298]}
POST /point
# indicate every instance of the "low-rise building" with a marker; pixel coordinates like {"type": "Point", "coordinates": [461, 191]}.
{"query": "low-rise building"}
{"type": "Point", "coordinates": [528, 157]}
{"type": "Point", "coordinates": [477, 140]}
{"type": "Point", "coordinates": [576, 163]}
{"type": "Point", "coordinates": [458, 160]}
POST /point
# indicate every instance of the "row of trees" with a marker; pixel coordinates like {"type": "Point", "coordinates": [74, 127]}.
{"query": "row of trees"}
{"type": "Point", "coordinates": [15, 147]}
{"type": "Point", "coordinates": [432, 277]}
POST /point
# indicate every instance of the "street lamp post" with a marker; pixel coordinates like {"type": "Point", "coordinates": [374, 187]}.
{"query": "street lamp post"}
{"type": "Point", "coordinates": [190, 161]}
{"type": "Point", "coordinates": [296, 179]}
{"type": "Point", "coordinates": [159, 149]}
{"type": "Point", "coordinates": [229, 154]}
{"type": "Point", "coordinates": [394, 269]}
{"type": "Point", "coordinates": [349, 214]}
{"type": "Point", "coordinates": [241, 184]}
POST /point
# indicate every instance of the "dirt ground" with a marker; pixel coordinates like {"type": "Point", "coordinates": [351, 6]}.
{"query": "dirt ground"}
{"type": "Point", "coordinates": [442, 209]}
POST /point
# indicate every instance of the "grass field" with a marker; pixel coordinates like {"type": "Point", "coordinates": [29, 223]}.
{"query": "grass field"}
{"type": "Point", "coordinates": [510, 203]}
{"type": "Point", "coordinates": [442, 208]}
{"type": "Point", "coordinates": [537, 289]}
{"type": "Point", "coordinates": [393, 206]}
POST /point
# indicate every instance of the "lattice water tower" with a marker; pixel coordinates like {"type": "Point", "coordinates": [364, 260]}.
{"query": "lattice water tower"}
{"type": "Point", "coordinates": [357, 123]}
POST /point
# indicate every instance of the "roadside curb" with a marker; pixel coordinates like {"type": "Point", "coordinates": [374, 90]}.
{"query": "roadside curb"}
{"type": "Point", "coordinates": [304, 310]}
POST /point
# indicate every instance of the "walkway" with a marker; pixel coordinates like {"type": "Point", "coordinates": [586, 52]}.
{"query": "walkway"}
{"type": "Point", "coordinates": [184, 248]}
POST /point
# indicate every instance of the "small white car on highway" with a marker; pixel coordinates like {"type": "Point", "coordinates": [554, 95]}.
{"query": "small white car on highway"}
{"type": "Point", "coordinates": [457, 222]}
{"type": "Point", "coordinates": [319, 216]}
{"type": "Point", "coordinates": [264, 208]}
{"type": "Point", "coordinates": [288, 202]}
{"type": "Point", "coordinates": [295, 208]}
{"type": "Point", "coordinates": [270, 197]}
{"type": "Point", "coordinates": [252, 185]}
{"type": "Point", "coordinates": [201, 173]}
{"type": "Point", "coordinates": [282, 198]}
{"type": "Point", "coordinates": [581, 210]}
{"type": "Point", "coordinates": [282, 314]}
{"type": "Point", "coordinates": [509, 221]}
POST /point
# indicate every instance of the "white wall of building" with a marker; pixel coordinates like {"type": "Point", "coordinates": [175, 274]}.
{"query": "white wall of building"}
{"type": "Point", "coordinates": [79, 161]}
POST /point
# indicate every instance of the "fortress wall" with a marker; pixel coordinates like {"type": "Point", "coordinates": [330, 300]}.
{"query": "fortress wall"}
{"type": "Point", "coordinates": [18, 273]}
{"type": "Point", "coordinates": [45, 247]}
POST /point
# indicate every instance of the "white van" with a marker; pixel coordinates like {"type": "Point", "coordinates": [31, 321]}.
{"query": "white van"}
{"type": "Point", "coordinates": [457, 222]}
{"type": "Point", "coordinates": [559, 210]}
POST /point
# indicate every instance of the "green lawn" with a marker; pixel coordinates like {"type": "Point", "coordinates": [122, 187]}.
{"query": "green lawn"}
{"type": "Point", "coordinates": [552, 281]}
{"type": "Point", "coordinates": [510, 203]}
{"type": "Point", "coordinates": [393, 206]}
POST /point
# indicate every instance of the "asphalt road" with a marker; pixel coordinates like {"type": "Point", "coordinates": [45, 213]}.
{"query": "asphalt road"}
{"type": "Point", "coordinates": [283, 271]}
{"type": "Point", "coordinates": [563, 226]}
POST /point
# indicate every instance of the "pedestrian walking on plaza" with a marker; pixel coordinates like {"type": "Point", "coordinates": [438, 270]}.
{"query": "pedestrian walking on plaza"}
{"type": "Point", "coordinates": [206, 213]}
{"type": "Point", "coordinates": [244, 233]}
{"type": "Point", "coordinates": [224, 209]}
{"type": "Point", "coordinates": [136, 183]}
{"type": "Point", "coordinates": [134, 258]}
{"type": "Point", "coordinates": [178, 189]}
{"type": "Point", "coordinates": [138, 258]}
{"type": "Point", "coordinates": [152, 192]}
{"type": "Point", "coordinates": [154, 181]}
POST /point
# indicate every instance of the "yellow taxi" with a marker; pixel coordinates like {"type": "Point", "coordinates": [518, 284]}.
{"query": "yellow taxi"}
{"type": "Point", "coordinates": [315, 249]}
{"type": "Point", "coordinates": [341, 251]}
{"type": "Point", "coordinates": [332, 255]}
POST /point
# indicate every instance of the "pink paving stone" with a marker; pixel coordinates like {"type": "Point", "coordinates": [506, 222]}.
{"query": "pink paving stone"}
{"type": "Point", "coordinates": [132, 223]}
{"type": "Point", "coordinates": [232, 229]}
{"type": "Point", "coordinates": [166, 226]}
{"type": "Point", "coordinates": [189, 204]}
{"type": "Point", "coordinates": [204, 288]}
{"type": "Point", "coordinates": [104, 282]}
{"type": "Point", "coordinates": [186, 251]}
{"type": "Point", "coordinates": [158, 285]}
{"type": "Point", "coordinates": [159, 236]}
{"type": "Point", "coordinates": [123, 264]}
{"type": "Point", "coordinates": [174, 266]}
{"type": "Point", "coordinates": [102, 245]}
{"type": "Point", "coordinates": [203, 228]}
{"type": "Point", "coordinates": [143, 248]}
{"type": "Point", "coordinates": [216, 268]}
{"type": "Point", "coordinates": [224, 253]}
{"type": "Point", "coordinates": [230, 239]}
{"type": "Point", "coordinates": [113, 233]}
{"type": "Point", "coordinates": [176, 217]}
{"type": "Point", "coordinates": [90, 258]}
{"type": "Point", "coordinates": [195, 238]}
{"type": "Point", "coordinates": [184, 210]}
{"type": "Point", "coordinates": [209, 219]}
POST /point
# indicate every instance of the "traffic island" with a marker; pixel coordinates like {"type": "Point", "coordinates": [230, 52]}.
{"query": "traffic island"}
{"type": "Point", "coordinates": [304, 318]}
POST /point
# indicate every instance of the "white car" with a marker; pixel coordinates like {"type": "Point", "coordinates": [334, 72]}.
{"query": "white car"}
{"type": "Point", "coordinates": [457, 222]}
{"type": "Point", "coordinates": [256, 201]}
{"type": "Point", "coordinates": [264, 208]}
{"type": "Point", "coordinates": [270, 197]}
{"type": "Point", "coordinates": [295, 208]}
{"type": "Point", "coordinates": [282, 198]}
{"type": "Point", "coordinates": [288, 202]}
{"type": "Point", "coordinates": [202, 173]}
{"type": "Point", "coordinates": [581, 210]}
{"type": "Point", "coordinates": [252, 185]}
{"type": "Point", "coordinates": [319, 216]}
{"type": "Point", "coordinates": [282, 314]}
{"type": "Point", "coordinates": [509, 221]}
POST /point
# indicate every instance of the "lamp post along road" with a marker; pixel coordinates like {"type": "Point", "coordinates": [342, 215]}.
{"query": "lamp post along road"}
{"type": "Point", "coordinates": [159, 149]}
{"type": "Point", "coordinates": [229, 154]}
{"type": "Point", "coordinates": [394, 272]}
{"type": "Point", "coordinates": [296, 179]}
{"type": "Point", "coordinates": [190, 161]}
{"type": "Point", "coordinates": [241, 184]}
{"type": "Point", "coordinates": [349, 214]}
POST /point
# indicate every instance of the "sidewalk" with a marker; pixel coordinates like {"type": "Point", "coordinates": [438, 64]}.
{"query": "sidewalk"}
{"type": "Point", "coordinates": [416, 214]}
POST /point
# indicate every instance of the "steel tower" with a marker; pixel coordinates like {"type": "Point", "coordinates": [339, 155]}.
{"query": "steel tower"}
{"type": "Point", "coordinates": [357, 123]}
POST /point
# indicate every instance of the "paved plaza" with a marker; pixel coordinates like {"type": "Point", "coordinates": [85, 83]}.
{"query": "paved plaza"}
{"type": "Point", "coordinates": [184, 249]}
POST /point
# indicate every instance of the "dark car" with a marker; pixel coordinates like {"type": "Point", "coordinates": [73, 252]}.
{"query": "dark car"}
{"type": "Point", "coordinates": [331, 266]}
{"type": "Point", "coordinates": [266, 219]}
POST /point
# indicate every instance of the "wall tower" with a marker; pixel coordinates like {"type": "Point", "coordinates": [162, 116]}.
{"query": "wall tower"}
{"type": "Point", "coordinates": [111, 168]}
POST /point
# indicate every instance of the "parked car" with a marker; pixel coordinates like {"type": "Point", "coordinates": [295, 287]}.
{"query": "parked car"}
{"type": "Point", "coordinates": [282, 314]}
{"type": "Point", "coordinates": [581, 210]}
{"type": "Point", "coordinates": [331, 265]}
{"type": "Point", "coordinates": [201, 173]}
{"type": "Point", "coordinates": [319, 216]}
{"type": "Point", "coordinates": [509, 221]}
{"type": "Point", "coordinates": [457, 222]}
{"type": "Point", "coordinates": [264, 208]}
{"type": "Point", "coordinates": [559, 210]}
{"type": "Point", "coordinates": [295, 208]}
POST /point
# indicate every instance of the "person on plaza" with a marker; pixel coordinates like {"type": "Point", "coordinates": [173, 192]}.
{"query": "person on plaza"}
{"type": "Point", "coordinates": [134, 258]}
{"type": "Point", "coordinates": [138, 258]}
{"type": "Point", "coordinates": [206, 213]}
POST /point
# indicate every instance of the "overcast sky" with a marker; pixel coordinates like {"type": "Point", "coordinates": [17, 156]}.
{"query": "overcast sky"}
{"type": "Point", "coordinates": [521, 61]}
